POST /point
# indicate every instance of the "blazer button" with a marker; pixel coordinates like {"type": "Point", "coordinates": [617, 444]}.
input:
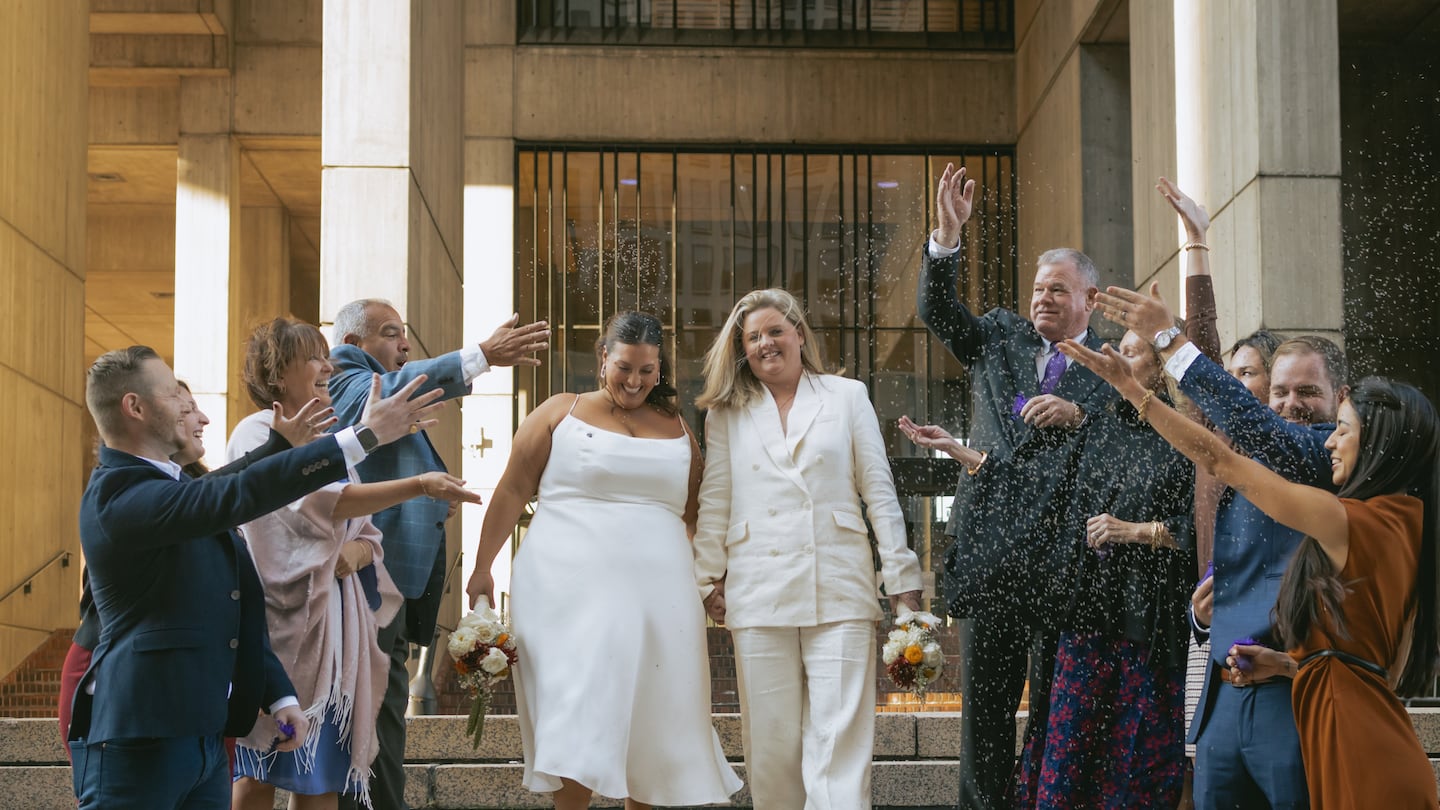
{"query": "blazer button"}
{"type": "Point", "coordinates": [755, 467]}
{"type": "Point", "coordinates": [235, 595]}
{"type": "Point", "coordinates": [772, 510]}
{"type": "Point", "coordinates": [234, 643]}
{"type": "Point", "coordinates": [809, 549]}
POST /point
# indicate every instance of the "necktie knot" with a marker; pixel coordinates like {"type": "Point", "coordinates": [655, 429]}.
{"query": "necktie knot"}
{"type": "Point", "coordinates": [1054, 367]}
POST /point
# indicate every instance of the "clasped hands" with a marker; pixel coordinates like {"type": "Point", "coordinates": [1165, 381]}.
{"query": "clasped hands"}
{"type": "Point", "coordinates": [715, 601]}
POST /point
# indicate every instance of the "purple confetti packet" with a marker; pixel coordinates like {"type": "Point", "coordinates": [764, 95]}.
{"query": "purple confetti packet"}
{"type": "Point", "coordinates": [1243, 662]}
{"type": "Point", "coordinates": [286, 729]}
{"type": "Point", "coordinates": [1018, 405]}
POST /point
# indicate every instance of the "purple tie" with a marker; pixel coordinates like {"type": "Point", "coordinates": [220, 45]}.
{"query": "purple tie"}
{"type": "Point", "coordinates": [1053, 369]}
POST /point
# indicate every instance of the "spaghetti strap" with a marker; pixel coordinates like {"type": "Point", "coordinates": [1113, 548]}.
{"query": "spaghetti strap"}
{"type": "Point", "coordinates": [684, 426]}
{"type": "Point", "coordinates": [573, 403]}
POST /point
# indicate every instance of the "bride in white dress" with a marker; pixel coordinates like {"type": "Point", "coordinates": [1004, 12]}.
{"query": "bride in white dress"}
{"type": "Point", "coordinates": [613, 683]}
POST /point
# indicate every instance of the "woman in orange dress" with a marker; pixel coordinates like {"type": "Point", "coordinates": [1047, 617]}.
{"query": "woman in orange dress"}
{"type": "Point", "coordinates": [1357, 606]}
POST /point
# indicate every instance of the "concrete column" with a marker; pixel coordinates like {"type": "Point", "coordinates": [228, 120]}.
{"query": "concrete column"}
{"type": "Point", "coordinates": [1243, 104]}
{"type": "Point", "coordinates": [391, 182]}
{"type": "Point", "coordinates": [259, 292]}
{"type": "Point", "coordinates": [207, 248]}
{"type": "Point", "coordinates": [44, 459]}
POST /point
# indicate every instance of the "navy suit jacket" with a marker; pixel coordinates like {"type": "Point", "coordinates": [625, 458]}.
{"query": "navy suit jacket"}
{"type": "Point", "coordinates": [184, 649]}
{"type": "Point", "coordinates": [998, 515]}
{"type": "Point", "coordinates": [1251, 549]}
{"type": "Point", "coordinates": [414, 530]}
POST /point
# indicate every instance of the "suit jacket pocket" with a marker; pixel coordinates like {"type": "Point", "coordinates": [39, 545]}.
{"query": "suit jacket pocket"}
{"type": "Point", "coordinates": [737, 533]}
{"type": "Point", "coordinates": [169, 638]}
{"type": "Point", "coordinates": [851, 521]}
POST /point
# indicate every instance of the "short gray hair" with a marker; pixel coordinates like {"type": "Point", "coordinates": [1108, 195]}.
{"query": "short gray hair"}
{"type": "Point", "coordinates": [1075, 257]}
{"type": "Point", "coordinates": [351, 319]}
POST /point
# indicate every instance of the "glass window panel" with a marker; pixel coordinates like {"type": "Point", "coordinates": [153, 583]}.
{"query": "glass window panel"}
{"type": "Point", "coordinates": [744, 193]}
{"type": "Point", "coordinates": [582, 245]}
{"type": "Point", "coordinates": [899, 228]}
{"type": "Point", "coordinates": [649, 289]}
{"type": "Point", "coordinates": [821, 234]}
{"type": "Point", "coordinates": [702, 210]}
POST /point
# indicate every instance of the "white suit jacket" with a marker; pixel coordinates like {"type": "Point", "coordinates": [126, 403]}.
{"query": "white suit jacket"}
{"type": "Point", "coordinates": [780, 512]}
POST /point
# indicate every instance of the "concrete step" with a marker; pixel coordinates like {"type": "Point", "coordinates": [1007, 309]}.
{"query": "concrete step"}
{"type": "Point", "coordinates": [915, 762]}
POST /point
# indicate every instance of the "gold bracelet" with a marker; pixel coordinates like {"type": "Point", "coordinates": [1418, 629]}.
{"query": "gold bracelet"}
{"type": "Point", "coordinates": [1195, 246]}
{"type": "Point", "coordinates": [972, 470]}
{"type": "Point", "coordinates": [1144, 403]}
{"type": "Point", "coordinates": [1155, 535]}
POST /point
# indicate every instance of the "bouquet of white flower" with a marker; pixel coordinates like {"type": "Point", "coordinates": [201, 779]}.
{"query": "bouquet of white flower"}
{"type": "Point", "coordinates": [912, 653]}
{"type": "Point", "coordinates": [484, 650]}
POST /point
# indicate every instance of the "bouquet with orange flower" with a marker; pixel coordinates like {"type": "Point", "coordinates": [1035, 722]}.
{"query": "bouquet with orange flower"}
{"type": "Point", "coordinates": [912, 653]}
{"type": "Point", "coordinates": [484, 651]}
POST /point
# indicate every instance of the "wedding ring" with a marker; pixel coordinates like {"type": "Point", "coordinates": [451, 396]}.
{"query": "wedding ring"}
{"type": "Point", "coordinates": [414, 428]}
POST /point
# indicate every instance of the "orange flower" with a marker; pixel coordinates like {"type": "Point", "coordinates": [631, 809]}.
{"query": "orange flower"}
{"type": "Point", "coordinates": [461, 668]}
{"type": "Point", "coordinates": [501, 639]}
{"type": "Point", "coordinates": [914, 654]}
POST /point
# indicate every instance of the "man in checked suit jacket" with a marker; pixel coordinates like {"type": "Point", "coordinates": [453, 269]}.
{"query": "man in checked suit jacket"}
{"type": "Point", "coordinates": [184, 654]}
{"type": "Point", "coordinates": [1001, 547]}
{"type": "Point", "coordinates": [370, 339]}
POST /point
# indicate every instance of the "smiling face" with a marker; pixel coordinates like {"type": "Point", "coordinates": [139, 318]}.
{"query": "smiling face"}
{"type": "Point", "coordinates": [1247, 366]}
{"type": "Point", "coordinates": [632, 370]}
{"type": "Point", "coordinates": [165, 411]}
{"type": "Point", "coordinates": [195, 422]}
{"type": "Point", "coordinates": [1144, 365]}
{"type": "Point", "coordinates": [307, 377]}
{"type": "Point", "coordinates": [772, 347]}
{"type": "Point", "coordinates": [1060, 301]}
{"type": "Point", "coordinates": [1344, 444]}
{"type": "Point", "coordinates": [387, 342]}
{"type": "Point", "coordinates": [1300, 389]}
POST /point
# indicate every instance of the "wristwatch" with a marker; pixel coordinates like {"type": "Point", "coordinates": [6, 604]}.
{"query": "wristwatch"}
{"type": "Point", "coordinates": [1164, 338]}
{"type": "Point", "coordinates": [367, 439]}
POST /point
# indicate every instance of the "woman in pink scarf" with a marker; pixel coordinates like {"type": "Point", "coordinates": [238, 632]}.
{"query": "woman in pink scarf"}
{"type": "Point", "coordinates": [326, 591]}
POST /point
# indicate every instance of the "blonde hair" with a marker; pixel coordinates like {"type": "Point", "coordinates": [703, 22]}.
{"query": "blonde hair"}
{"type": "Point", "coordinates": [729, 382]}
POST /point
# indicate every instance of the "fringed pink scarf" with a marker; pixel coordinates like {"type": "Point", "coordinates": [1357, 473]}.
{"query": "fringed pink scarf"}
{"type": "Point", "coordinates": [330, 654]}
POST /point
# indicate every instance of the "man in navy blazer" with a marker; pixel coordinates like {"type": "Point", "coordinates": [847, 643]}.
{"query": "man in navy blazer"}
{"type": "Point", "coordinates": [1026, 404]}
{"type": "Point", "coordinates": [184, 655]}
{"type": "Point", "coordinates": [369, 337]}
{"type": "Point", "coordinates": [1247, 752]}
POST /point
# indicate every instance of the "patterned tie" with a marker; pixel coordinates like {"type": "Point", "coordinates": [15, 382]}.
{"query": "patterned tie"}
{"type": "Point", "coordinates": [1053, 369]}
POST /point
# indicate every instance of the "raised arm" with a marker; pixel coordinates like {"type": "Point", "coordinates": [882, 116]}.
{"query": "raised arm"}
{"type": "Point", "coordinates": [521, 480]}
{"type": "Point", "coordinates": [1200, 314]}
{"type": "Point", "coordinates": [1307, 509]}
{"type": "Point", "coordinates": [937, 303]}
{"type": "Point", "coordinates": [358, 500]}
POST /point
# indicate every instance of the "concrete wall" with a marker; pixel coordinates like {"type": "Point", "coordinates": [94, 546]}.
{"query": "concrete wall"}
{"type": "Point", "coordinates": [44, 46]}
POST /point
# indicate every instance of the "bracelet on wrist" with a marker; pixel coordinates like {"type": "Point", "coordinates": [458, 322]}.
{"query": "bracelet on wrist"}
{"type": "Point", "coordinates": [1195, 246]}
{"type": "Point", "coordinates": [972, 470]}
{"type": "Point", "coordinates": [1144, 404]}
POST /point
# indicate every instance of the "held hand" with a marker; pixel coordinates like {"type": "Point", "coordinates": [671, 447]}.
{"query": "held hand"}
{"type": "Point", "coordinates": [292, 716]}
{"type": "Point", "coordinates": [1193, 214]}
{"type": "Point", "coordinates": [715, 602]}
{"type": "Point", "coordinates": [481, 584]}
{"type": "Point", "coordinates": [398, 415]}
{"type": "Point", "coordinates": [445, 487]}
{"type": "Point", "coordinates": [1260, 664]}
{"type": "Point", "coordinates": [1107, 528]}
{"type": "Point", "coordinates": [1048, 410]}
{"type": "Point", "coordinates": [1144, 314]}
{"type": "Point", "coordinates": [310, 422]}
{"type": "Point", "coordinates": [1202, 602]}
{"type": "Point", "coordinates": [513, 345]}
{"type": "Point", "coordinates": [954, 201]}
{"type": "Point", "coordinates": [910, 599]}
{"type": "Point", "coordinates": [1109, 366]}
{"type": "Point", "coordinates": [354, 555]}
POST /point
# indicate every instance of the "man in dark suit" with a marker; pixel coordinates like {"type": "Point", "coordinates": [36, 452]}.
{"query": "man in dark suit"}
{"type": "Point", "coordinates": [1026, 403]}
{"type": "Point", "coordinates": [1247, 751]}
{"type": "Point", "coordinates": [184, 655]}
{"type": "Point", "coordinates": [369, 337]}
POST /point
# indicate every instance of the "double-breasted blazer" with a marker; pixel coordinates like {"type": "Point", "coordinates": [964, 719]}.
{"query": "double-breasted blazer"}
{"type": "Point", "coordinates": [184, 650]}
{"type": "Point", "coordinates": [781, 516]}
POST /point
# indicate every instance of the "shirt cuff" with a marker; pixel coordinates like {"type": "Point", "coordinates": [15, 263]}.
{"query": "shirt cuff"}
{"type": "Point", "coordinates": [473, 363]}
{"type": "Point", "coordinates": [1200, 629]}
{"type": "Point", "coordinates": [1180, 361]}
{"type": "Point", "coordinates": [288, 700]}
{"type": "Point", "coordinates": [939, 251]}
{"type": "Point", "coordinates": [350, 446]}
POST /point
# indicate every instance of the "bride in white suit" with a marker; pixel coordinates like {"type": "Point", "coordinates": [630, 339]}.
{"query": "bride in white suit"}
{"type": "Point", "coordinates": [783, 556]}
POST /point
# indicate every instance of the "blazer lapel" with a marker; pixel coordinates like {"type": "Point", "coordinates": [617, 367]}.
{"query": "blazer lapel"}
{"type": "Point", "coordinates": [803, 411]}
{"type": "Point", "coordinates": [1078, 382]}
{"type": "Point", "coordinates": [765, 420]}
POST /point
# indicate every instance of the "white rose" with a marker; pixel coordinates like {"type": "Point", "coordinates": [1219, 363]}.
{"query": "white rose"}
{"type": "Point", "coordinates": [495, 662]}
{"type": "Point", "coordinates": [934, 656]}
{"type": "Point", "coordinates": [893, 649]}
{"type": "Point", "coordinates": [897, 635]}
{"type": "Point", "coordinates": [461, 641]}
{"type": "Point", "coordinates": [488, 632]}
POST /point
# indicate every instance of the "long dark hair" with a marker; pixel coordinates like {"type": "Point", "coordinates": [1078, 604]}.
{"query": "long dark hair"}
{"type": "Point", "coordinates": [1399, 446]}
{"type": "Point", "coordinates": [632, 329]}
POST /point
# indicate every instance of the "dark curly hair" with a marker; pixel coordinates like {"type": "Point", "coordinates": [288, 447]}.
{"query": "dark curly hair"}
{"type": "Point", "coordinates": [632, 329]}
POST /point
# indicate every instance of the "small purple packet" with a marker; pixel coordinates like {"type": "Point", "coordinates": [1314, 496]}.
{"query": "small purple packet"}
{"type": "Point", "coordinates": [1209, 572]}
{"type": "Point", "coordinates": [1018, 405]}
{"type": "Point", "coordinates": [1243, 662]}
{"type": "Point", "coordinates": [286, 729]}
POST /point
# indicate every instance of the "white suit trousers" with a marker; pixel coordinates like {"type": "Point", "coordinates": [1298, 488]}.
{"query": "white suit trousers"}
{"type": "Point", "coordinates": [807, 703]}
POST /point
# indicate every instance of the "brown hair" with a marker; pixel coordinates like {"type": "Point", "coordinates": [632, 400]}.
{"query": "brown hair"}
{"type": "Point", "coordinates": [113, 375]}
{"type": "Point", "coordinates": [1335, 366]}
{"type": "Point", "coordinates": [271, 349]}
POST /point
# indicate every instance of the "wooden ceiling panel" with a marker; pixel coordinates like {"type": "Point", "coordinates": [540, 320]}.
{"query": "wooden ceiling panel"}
{"type": "Point", "coordinates": [294, 176]}
{"type": "Point", "coordinates": [144, 175]}
{"type": "Point", "coordinates": [254, 190]}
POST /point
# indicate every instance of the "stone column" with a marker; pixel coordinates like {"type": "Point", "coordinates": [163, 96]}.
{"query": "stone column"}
{"type": "Point", "coordinates": [391, 181]}
{"type": "Point", "coordinates": [1241, 102]}
{"type": "Point", "coordinates": [207, 248]}
{"type": "Point", "coordinates": [259, 292]}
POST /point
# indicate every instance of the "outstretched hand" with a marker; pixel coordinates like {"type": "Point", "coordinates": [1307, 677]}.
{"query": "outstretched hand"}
{"type": "Point", "coordinates": [1193, 214]}
{"type": "Point", "coordinates": [398, 415]}
{"type": "Point", "coordinates": [513, 345]}
{"type": "Point", "coordinates": [954, 202]}
{"type": "Point", "coordinates": [310, 422]}
{"type": "Point", "coordinates": [1108, 366]}
{"type": "Point", "coordinates": [1143, 314]}
{"type": "Point", "coordinates": [930, 437]}
{"type": "Point", "coordinates": [446, 487]}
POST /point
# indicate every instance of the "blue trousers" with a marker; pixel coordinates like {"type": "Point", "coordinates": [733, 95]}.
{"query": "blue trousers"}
{"type": "Point", "coordinates": [152, 773]}
{"type": "Point", "coordinates": [1248, 754]}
